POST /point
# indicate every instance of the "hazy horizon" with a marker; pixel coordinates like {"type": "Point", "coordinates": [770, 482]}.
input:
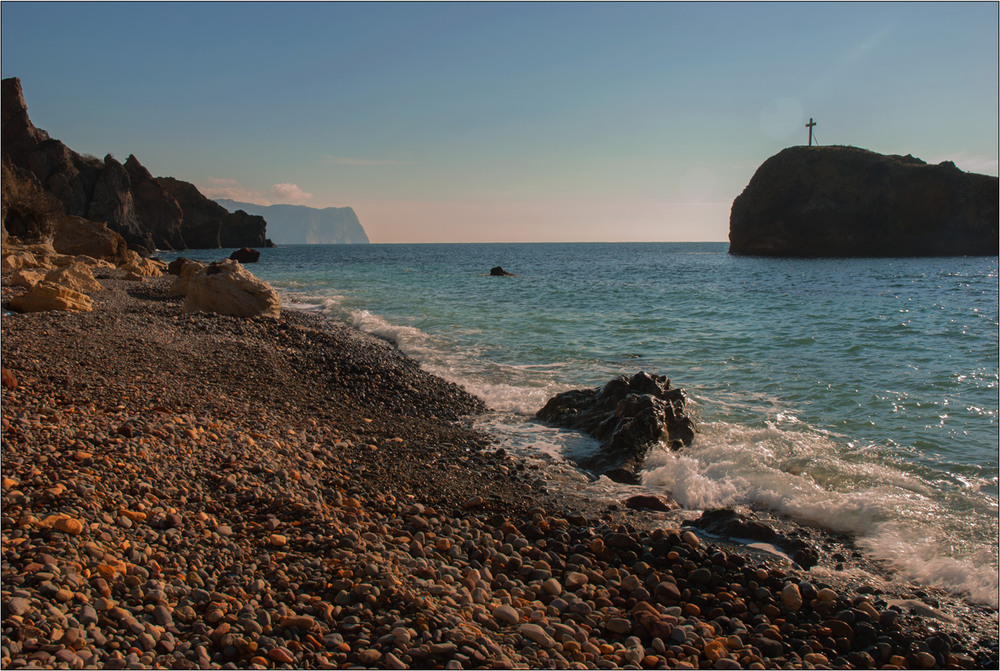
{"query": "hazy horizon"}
{"type": "Point", "coordinates": [505, 122]}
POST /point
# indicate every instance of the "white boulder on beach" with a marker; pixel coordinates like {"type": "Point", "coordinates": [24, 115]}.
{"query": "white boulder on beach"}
{"type": "Point", "coordinates": [228, 288]}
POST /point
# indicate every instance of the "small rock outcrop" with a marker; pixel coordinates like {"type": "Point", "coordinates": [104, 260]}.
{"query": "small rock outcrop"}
{"type": "Point", "coordinates": [246, 255]}
{"type": "Point", "coordinates": [840, 201]}
{"type": "Point", "coordinates": [729, 523]}
{"type": "Point", "coordinates": [628, 416]}
{"type": "Point", "coordinates": [228, 288]}
{"type": "Point", "coordinates": [498, 271]}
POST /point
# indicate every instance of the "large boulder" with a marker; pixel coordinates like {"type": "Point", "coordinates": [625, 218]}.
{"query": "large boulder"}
{"type": "Point", "coordinates": [26, 278]}
{"type": "Point", "coordinates": [76, 236]}
{"type": "Point", "coordinates": [20, 259]}
{"type": "Point", "coordinates": [846, 201]}
{"type": "Point", "coordinates": [628, 416]}
{"type": "Point", "coordinates": [76, 276]}
{"type": "Point", "coordinates": [228, 288]}
{"type": "Point", "coordinates": [145, 267]}
{"type": "Point", "coordinates": [46, 296]}
{"type": "Point", "coordinates": [184, 271]}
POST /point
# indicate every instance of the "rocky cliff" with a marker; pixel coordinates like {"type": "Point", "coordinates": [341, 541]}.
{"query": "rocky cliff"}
{"type": "Point", "coordinates": [126, 197]}
{"type": "Point", "coordinates": [298, 224]}
{"type": "Point", "coordinates": [847, 201]}
{"type": "Point", "coordinates": [206, 224]}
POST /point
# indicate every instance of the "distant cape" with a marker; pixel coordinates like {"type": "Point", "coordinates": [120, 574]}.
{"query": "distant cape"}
{"type": "Point", "coordinates": [301, 225]}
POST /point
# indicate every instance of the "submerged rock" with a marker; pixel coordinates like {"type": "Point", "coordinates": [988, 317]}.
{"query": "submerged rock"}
{"type": "Point", "coordinates": [628, 416]}
{"type": "Point", "coordinates": [729, 523]}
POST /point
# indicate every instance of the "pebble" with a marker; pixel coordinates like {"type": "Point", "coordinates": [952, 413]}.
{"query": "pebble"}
{"type": "Point", "coordinates": [535, 633]}
{"type": "Point", "coordinates": [506, 614]}
{"type": "Point", "coordinates": [791, 597]}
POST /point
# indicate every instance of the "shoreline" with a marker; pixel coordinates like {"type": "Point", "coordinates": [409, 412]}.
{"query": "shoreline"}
{"type": "Point", "coordinates": [297, 493]}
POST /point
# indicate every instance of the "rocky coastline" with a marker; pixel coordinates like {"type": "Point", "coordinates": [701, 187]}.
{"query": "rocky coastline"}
{"type": "Point", "coordinates": [192, 490]}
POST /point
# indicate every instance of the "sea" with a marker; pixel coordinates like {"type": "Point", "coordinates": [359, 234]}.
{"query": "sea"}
{"type": "Point", "coordinates": [855, 395]}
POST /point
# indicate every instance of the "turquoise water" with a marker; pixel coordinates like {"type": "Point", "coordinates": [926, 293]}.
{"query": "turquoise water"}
{"type": "Point", "coordinates": [857, 394]}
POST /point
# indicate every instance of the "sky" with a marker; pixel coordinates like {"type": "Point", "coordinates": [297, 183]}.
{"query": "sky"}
{"type": "Point", "coordinates": [504, 122]}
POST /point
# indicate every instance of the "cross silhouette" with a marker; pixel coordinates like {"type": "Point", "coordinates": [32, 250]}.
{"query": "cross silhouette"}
{"type": "Point", "coordinates": [810, 127]}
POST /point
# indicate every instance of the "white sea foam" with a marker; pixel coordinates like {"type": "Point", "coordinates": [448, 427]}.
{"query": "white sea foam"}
{"type": "Point", "coordinates": [811, 477]}
{"type": "Point", "coordinates": [921, 520]}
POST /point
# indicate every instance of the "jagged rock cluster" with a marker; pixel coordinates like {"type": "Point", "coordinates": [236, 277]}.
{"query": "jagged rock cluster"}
{"type": "Point", "coordinates": [845, 201]}
{"type": "Point", "coordinates": [628, 416]}
{"type": "Point", "coordinates": [148, 212]}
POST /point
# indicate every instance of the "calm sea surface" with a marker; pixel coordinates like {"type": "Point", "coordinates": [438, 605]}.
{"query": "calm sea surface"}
{"type": "Point", "coordinates": [859, 395]}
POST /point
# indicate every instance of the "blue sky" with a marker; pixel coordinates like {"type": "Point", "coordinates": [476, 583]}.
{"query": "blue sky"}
{"type": "Point", "coordinates": [504, 121]}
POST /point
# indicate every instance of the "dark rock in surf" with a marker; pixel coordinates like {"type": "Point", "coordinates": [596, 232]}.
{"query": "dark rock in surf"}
{"type": "Point", "coordinates": [246, 255]}
{"type": "Point", "coordinates": [729, 523]}
{"type": "Point", "coordinates": [628, 416]}
{"type": "Point", "coordinates": [498, 271]}
{"type": "Point", "coordinates": [651, 502]}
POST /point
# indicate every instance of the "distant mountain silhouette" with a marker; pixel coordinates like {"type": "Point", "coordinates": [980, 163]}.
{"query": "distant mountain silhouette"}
{"type": "Point", "coordinates": [298, 224]}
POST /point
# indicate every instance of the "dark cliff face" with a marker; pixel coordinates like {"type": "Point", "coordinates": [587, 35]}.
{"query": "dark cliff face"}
{"type": "Point", "coordinates": [208, 225]}
{"type": "Point", "coordinates": [155, 208]}
{"type": "Point", "coordinates": [846, 201]}
{"type": "Point", "coordinates": [126, 197]}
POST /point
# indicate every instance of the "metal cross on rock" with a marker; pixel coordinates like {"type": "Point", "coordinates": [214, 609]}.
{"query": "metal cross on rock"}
{"type": "Point", "coordinates": [810, 127]}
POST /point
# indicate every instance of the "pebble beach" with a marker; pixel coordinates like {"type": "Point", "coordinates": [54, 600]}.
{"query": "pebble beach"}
{"type": "Point", "coordinates": [203, 491]}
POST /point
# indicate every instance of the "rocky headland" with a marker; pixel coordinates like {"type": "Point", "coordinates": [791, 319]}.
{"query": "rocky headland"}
{"type": "Point", "coordinates": [301, 225]}
{"type": "Point", "coordinates": [44, 181]}
{"type": "Point", "coordinates": [195, 490]}
{"type": "Point", "coordinates": [837, 201]}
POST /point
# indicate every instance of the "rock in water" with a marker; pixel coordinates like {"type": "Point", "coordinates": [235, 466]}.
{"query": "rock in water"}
{"type": "Point", "coordinates": [847, 201]}
{"type": "Point", "coordinates": [628, 416]}
{"type": "Point", "coordinates": [246, 255]}
{"type": "Point", "coordinates": [728, 522]}
{"type": "Point", "coordinates": [228, 288]}
{"type": "Point", "coordinates": [498, 271]}
{"type": "Point", "coordinates": [651, 502]}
